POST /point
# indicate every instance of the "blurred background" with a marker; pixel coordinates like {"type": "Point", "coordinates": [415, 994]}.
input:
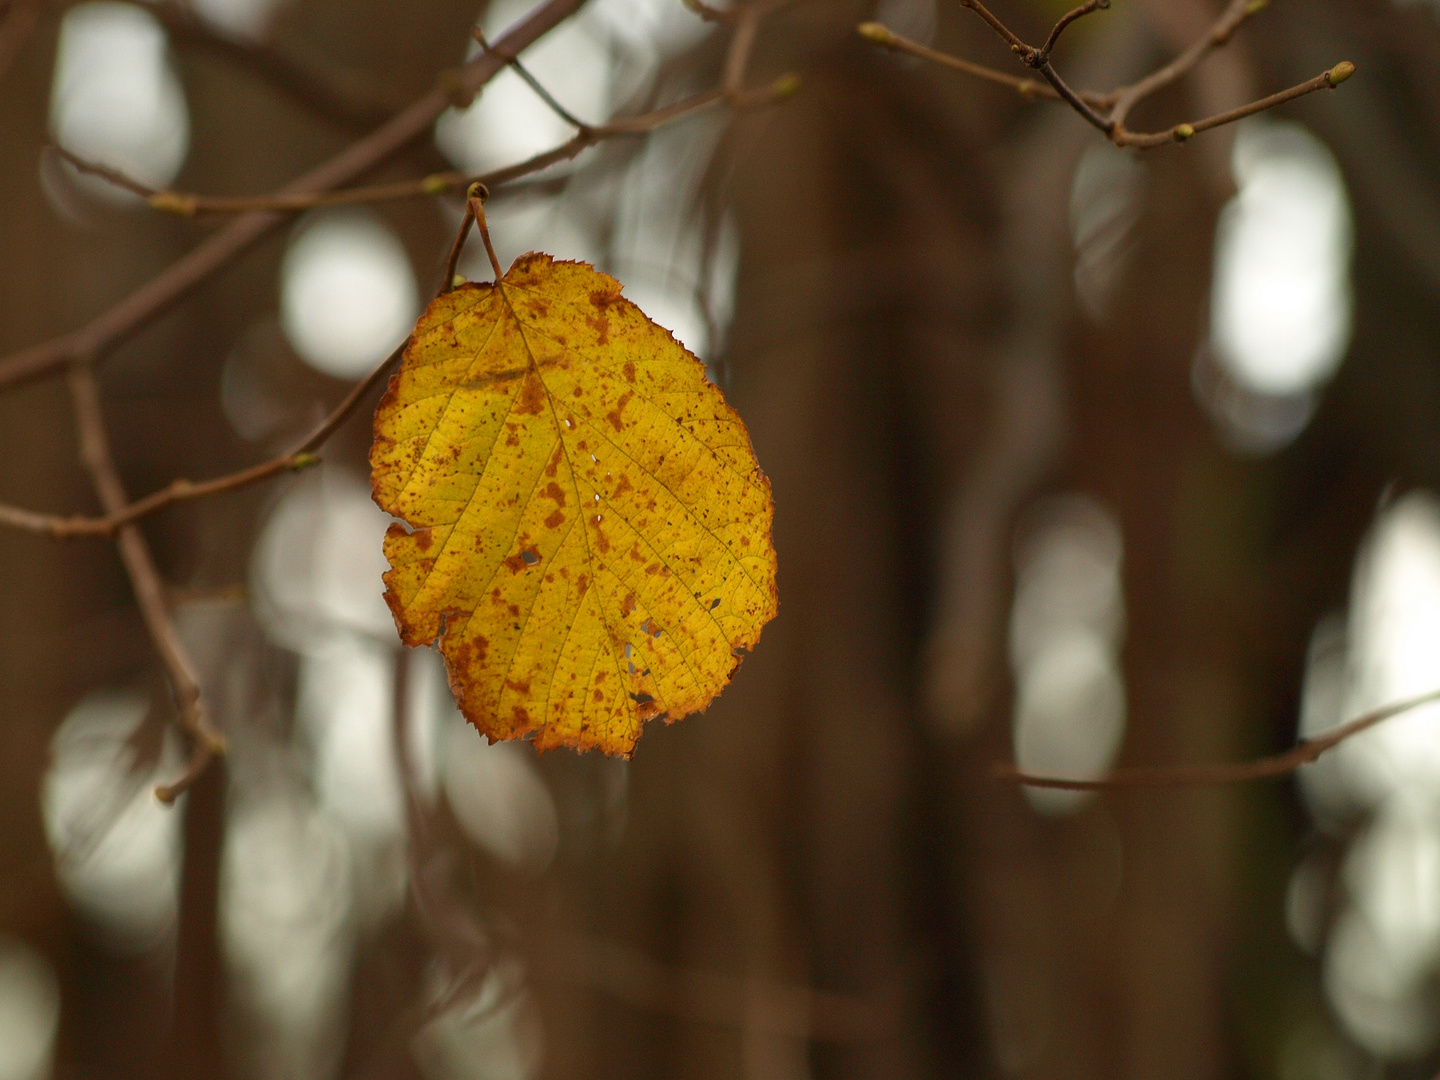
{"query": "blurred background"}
{"type": "Point", "coordinates": [1080, 458]}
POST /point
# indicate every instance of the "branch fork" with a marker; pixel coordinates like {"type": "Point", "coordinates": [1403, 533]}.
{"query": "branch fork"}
{"type": "Point", "coordinates": [1107, 112]}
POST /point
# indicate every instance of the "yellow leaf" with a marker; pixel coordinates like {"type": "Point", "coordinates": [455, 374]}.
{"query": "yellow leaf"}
{"type": "Point", "coordinates": [589, 531]}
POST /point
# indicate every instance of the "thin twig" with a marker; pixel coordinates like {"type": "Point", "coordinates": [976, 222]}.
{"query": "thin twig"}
{"type": "Point", "coordinates": [530, 81]}
{"type": "Point", "coordinates": [1117, 104]}
{"type": "Point", "coordinates": [737, 56]}
{"type": "Point", "coordinates": [1266, 768]}
{"type": "Point", "coordinates": [1018, 47]}
{"type": "Point", "coordinates": [1229, 20]}
{"type": "Point", "coordinates": [1030, 89]}
{"type": "Point", "coordinates": [144, 579]}
{"type": "Point", "coordinates": [187, 204]}
{"type": "Point", "coordinates": [1326, 80]}
{"type": "Point", "coordinates": [303, 456]}
{"type": "Point", "coordinates": [1073, 99]}
{"type": "Point", "coordinates": [1068, 18]}
{"type": "Point", "coordinates": [123, 320]}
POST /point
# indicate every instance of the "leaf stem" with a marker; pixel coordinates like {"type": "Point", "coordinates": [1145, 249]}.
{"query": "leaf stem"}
{"type": "Point", "coordinates": [448, 282]}
{"type": "Point", "coordinates": [475, 205]}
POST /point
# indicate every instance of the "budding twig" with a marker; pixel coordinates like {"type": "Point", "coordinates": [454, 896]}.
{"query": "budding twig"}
{"type": "Point", "coordinates": [1107, 112]}
{"type": "Point", "coordinates": [124, 319]}
{"type": "Point", "coordinates": [1066, 19]}
{"type": "Point", "coordinates": [187, 204]}
{"type": "Point", "coordinates": [1326, 80]}
{"type": "Point", "coordinates": [1029, 89]}
{"type": "Point", "coordinates": [1267, 768]}
{"type": "Point", "coordinates": [303, 456]}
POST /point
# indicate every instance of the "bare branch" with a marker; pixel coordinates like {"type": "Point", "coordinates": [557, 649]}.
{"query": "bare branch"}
{"type": "Point", "coordinates": [303, 456]}
{"type": "Point", "coordinates": [532, 82]}
{"type": "Point", "coordinates": [1068, 18]}
{"type": "Point", "coordinates": [1074, 100]}
{"type": "Point", "coordinates": [1018, 47]}
{"type": "Point", "coordinates": [1267, 768]}
{"type": "Point", "coordinates": [124, 319]}
{"type": "Point", "coordinates": [1107, 112]}
{"type": "Point", "coordinates": [187, 204]}
{"type": "Point", "coordinates": [1229, 20]}
{"type": "Point", "coordinates": [1029, 89]}
{"type": "Point", "coordinates": [1326, 80]}
{"type": "Point", "coordinates": [144, 579]}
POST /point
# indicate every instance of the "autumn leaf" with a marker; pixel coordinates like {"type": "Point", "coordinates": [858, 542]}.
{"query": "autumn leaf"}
{"type": "Point", "coordinates": [589, 531]}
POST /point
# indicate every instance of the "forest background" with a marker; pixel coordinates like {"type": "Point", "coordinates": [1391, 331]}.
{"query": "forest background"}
{"type": "Point", "coordinates": [1081, 456]}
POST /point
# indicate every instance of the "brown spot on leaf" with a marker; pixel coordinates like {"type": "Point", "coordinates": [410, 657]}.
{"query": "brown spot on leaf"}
{"type": "Point", "coordinates": [614, 415]}
{"type": "Point", "coordinates": [628, 605]}
{"type": "Point", "coordinates": [523, 560]}
{"type": "Point", "coordinates": [554, 492]}
{"type": "Point", "coordinates": [554, 466]}
{"type": "Point", "coordinates": [629, 370]}
{"type": "Point", "coordinates": [601, 325]}
{"type": "Point", "coordinates": [532, 396]}
{"type": "Point", "coordinates": [622, 487]}
{"type": "Point", "coordinates": [555, 520]}
{"type": "Point", "coordinates": [604, 297]}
